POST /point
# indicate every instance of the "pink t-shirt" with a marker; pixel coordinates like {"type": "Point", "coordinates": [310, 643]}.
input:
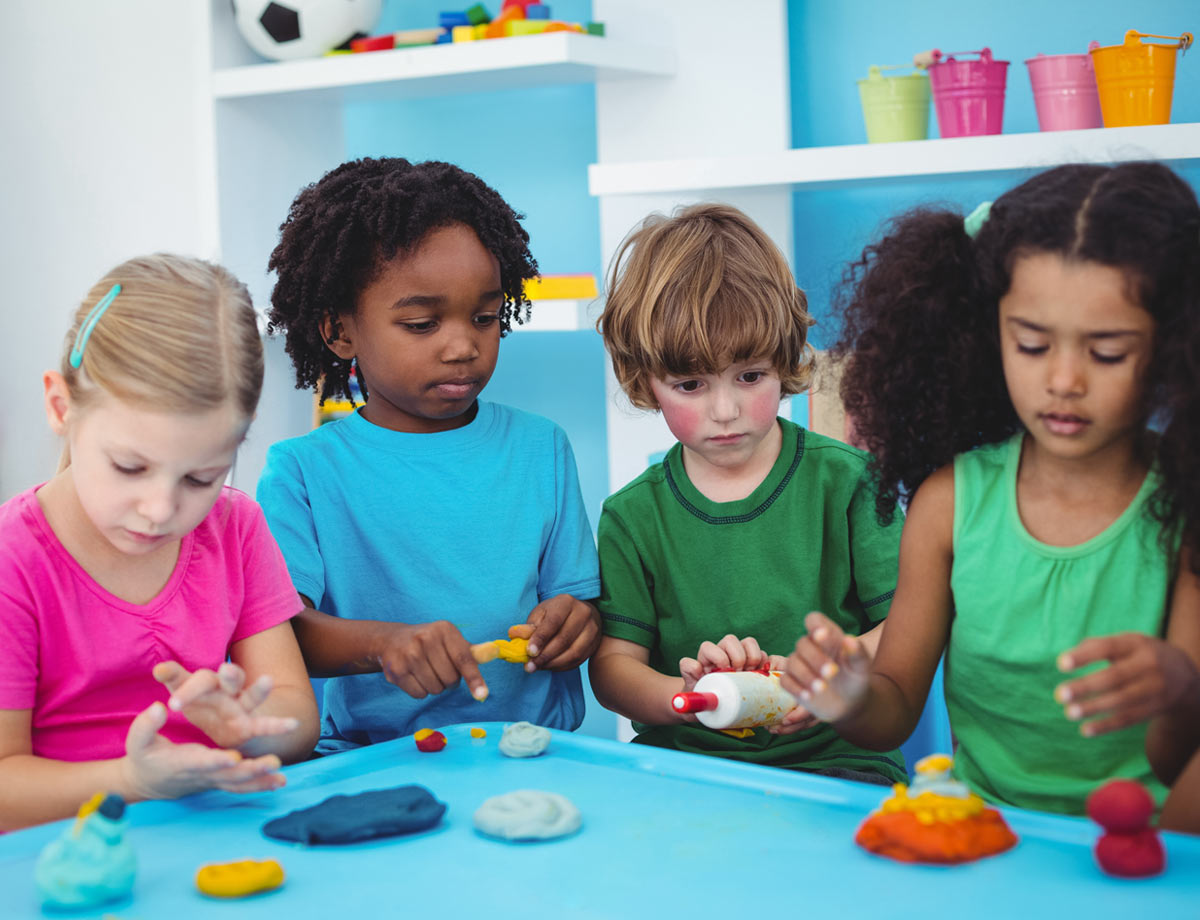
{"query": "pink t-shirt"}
{"type": "Point", "coordinates": [81, 658]}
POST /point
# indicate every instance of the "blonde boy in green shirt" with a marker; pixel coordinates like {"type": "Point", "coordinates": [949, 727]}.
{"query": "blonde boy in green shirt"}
{"type": "Point", "coordinates": [711, 559]}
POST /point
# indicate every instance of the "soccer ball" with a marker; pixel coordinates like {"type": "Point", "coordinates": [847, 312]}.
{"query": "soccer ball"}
{"type": "Point", "coordinates": [303, 28]}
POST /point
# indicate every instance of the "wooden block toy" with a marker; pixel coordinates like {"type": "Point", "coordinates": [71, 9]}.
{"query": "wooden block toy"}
{"type": "Point", "coordinates": [507, 4]}
{"type": "Point", "coordinates": [556, 25]}
{"type": "Point", "coordinates": [478, 15]}
{"type": "Point", "coordinates": [409, 37]}
{"type": "Point", "coordinates": [562, 287]}
{"type": "Point", "coordinates": [537, 11]}
{"type": "Point", "coordinates": [595, 28]}
{"type": "Point", "coordinates": [373, 43]}
{"type": "Point", "coordinates": [451, 19]}
{"type": "Point", "coordinates": [463, 33]}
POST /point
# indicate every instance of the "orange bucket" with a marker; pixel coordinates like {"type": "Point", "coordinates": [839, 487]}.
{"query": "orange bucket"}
{"type": "Point", "coordinates": [1136, 79]}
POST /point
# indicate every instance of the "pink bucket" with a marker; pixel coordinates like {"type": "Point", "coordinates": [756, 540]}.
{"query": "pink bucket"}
{"type": "Point", "coordinates": [968, 96]}
{"type": "Point", "coordinates": [1064, 91]}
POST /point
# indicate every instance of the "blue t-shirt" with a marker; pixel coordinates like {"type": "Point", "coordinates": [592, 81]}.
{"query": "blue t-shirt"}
{"type": "Point", "coordinates": [475, 526]}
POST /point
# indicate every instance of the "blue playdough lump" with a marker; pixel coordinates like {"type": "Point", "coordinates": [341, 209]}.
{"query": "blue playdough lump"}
{"type": "Point", "coordinates": [365, 816]}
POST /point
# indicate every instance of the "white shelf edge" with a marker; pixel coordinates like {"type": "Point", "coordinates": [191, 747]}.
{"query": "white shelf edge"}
{"type": "Point", "coordinates": [560, 55]}
{"type": "Point", "coordinates": [816, 167]}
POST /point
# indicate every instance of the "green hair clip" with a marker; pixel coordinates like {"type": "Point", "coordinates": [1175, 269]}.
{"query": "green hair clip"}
{"type": "Point", "coordinates": [977, 218]}
{"type": "Point", "coordinates": [89, 323]}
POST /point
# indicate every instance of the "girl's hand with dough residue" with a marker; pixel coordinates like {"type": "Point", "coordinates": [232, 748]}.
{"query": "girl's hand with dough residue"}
{"type": "Point", "coordinates": [829, 671]}
{"type": "Point", "coordinates": [1145, 676]}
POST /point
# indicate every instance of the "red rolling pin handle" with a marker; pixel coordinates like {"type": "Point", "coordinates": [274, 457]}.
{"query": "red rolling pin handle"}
{"type": "Point", "coordinates": [694, 702]}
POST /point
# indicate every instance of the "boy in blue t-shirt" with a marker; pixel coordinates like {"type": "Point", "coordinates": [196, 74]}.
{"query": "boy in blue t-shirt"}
{"type": "Point", "coordinates": [427, 520]}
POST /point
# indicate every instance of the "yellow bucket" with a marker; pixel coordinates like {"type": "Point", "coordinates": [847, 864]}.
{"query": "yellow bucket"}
{"type": "Point", "coordinates": [1136, 79]}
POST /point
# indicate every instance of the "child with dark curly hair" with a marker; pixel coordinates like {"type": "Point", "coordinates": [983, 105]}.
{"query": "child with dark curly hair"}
{"type": "Point", "coordinates": [1030, 378]}
{"type": "Point", "coordinates": [428, 519]}
{"type": "Point", "coordinates": [710, 559]}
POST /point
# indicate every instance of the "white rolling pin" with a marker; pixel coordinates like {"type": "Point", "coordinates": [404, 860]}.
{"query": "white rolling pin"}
{"type": "Point", "coordinates": [736, 699]}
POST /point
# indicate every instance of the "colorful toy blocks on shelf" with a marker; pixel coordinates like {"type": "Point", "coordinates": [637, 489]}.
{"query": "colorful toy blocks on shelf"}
{"type": "Point", "coordinates": [515, 18]}
{"type": "Point", "coordinates": [411, 38]}
{"type": "Point", "coordinates": [449, 20]}
{"type": "Point", "coordinates": [527, 27]}
{"type": "Point", "coordinates": [562, 287]}
{"type": "Point", "coordinates": [373, 43]}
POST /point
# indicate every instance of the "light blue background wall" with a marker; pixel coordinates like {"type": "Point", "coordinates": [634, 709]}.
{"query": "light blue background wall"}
{"type": "Point", "coordinates": [832, 45]}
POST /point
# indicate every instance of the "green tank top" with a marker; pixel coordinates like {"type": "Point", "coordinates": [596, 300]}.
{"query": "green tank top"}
{"type": "Point", "coordinates": [1019, 603]}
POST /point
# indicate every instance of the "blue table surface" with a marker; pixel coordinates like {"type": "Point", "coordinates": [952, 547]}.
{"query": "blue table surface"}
{"type": "Point", "coordinates": [664, 835]}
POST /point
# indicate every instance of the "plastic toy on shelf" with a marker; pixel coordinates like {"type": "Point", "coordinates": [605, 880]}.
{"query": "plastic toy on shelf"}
{"type": "Point", "coordinates": [515, 18]}
{"type": "Point", "coordinates": [286, 30]}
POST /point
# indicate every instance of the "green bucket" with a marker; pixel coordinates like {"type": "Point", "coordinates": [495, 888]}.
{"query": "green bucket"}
{"type": "Point", "coordinates": [895, 108]}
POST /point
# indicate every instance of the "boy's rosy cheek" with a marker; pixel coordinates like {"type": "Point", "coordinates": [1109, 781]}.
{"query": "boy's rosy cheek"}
{"type": "Point", "coordinates": [683, 422]}
{"type": "Point", "coordinates": [763, 409]}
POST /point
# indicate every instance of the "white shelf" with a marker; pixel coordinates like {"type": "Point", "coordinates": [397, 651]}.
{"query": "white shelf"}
{"type": "Point", "coordinates": [464, 67]}
{"type": "Point", "coordinates": [818, 167]}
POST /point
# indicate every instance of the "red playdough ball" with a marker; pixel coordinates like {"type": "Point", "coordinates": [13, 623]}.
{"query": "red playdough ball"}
{"type": "Point", "coordinates": [1121, 805]}
{"type": "Point", "coordinates": [1131, 854]}
{"type": "Point", "coordinates": [429, 741]}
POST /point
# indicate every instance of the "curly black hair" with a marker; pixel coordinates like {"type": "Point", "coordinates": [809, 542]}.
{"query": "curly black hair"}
{"type": "Point", "coordinates": [923, 376]}
{"type": "Point", "coordinates": [342, 229]}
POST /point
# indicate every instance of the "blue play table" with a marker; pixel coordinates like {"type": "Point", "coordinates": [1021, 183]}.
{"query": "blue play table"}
{"type": "Point", "coordinates": [665, 835]}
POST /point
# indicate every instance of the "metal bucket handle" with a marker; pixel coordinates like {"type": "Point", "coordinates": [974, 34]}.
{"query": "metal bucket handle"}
{"type": "Point", "coordinates": [1182, 42]}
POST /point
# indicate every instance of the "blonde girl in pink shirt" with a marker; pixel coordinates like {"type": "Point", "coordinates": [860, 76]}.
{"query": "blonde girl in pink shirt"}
{"type": "Point", "coordinates": [144, 606]}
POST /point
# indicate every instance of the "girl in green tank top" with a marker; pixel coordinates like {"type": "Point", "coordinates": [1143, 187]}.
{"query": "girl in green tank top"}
{"type": "Point", "coordinates": [1005, 370]}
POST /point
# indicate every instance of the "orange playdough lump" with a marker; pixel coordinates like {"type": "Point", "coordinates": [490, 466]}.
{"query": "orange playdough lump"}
{"type": "Point", "coordinates": [903, 836]}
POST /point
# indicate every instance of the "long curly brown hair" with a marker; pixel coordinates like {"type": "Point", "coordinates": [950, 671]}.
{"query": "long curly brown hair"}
{"type": "Point", "coordinates": [923, 376]}
{"type": "Point", "coordinates": [359, 216]}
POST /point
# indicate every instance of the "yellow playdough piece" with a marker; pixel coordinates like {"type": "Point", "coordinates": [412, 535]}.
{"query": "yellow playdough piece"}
{"type": "Point", "coordinates": [239, 879]}
{"type": "Point", "coordinates": [86, 809]}
{"type": "Point", "coordinates": [514, 650]}
{"type": "Point", "coordinates": [478, 733]}
{"type": "Point", "coordinates": [736, 732]}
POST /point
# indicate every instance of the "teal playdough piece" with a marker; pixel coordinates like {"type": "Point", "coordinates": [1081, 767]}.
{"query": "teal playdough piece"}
{"type": "Point", "coordinates": [365, 816]}
{"type": "Point", "coordinates": [91, 863]}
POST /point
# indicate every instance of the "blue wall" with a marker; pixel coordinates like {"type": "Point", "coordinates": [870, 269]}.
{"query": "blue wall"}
{"type": "Point", "coordinates": [831, 50]}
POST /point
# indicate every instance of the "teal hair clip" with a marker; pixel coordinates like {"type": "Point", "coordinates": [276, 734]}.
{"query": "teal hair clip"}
{"type": "Point", "coordinates": [977, 218]}
{"type": "Point", "coordinates": [89, 323]}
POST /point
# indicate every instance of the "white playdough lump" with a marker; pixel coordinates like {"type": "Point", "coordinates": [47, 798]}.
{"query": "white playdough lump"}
{"type": "Point", "coordinates": [524, 739]}
{"type": "Point", "coordinates": [528, 814]}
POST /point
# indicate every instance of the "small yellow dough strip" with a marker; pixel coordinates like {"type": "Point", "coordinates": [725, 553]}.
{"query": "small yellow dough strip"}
{"type": "Point", "coordinates": [513, 649]}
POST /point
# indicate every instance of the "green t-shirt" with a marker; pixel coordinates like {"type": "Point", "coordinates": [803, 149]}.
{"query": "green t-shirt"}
{"type": "Point", "coordinates": [677, 569]}
{"type": "Point", "coordinates": [1019, 603]}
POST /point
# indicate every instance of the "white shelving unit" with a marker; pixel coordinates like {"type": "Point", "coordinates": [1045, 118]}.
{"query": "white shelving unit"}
{"type": "Point", "coordinates": [274, 127]}
{"type": "Point", "coordinates": [467, 67]}
{"type": "Point", "coordinates": [824, 167]}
